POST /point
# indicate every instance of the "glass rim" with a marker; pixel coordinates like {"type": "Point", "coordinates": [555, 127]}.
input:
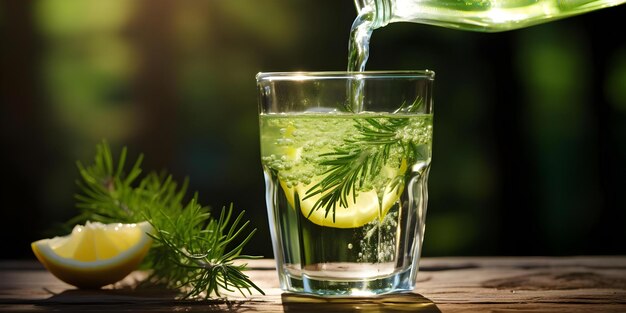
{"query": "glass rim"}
{"type": "Point", "coordinates": [322, 75]}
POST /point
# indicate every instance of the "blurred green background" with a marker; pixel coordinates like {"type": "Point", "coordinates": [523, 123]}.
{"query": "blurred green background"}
{"type": "Point", "coordinates": [530, 125]}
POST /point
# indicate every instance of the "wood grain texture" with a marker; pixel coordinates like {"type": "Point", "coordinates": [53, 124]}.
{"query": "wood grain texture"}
{"type": "Point", "coordinates": [481, 284]}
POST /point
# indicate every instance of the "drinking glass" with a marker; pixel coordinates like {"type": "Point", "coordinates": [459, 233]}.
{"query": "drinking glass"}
{"type": "Point", "coordinates": [346, 157]}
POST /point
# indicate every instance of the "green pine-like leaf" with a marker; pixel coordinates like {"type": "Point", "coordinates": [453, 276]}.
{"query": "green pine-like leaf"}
{"type": "Point", "coordinates": [193, 252]}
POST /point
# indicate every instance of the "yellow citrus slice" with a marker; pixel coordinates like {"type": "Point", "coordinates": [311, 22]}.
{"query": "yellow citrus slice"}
{"type": "Point", "coordinates": [360, 211]}
{"type": "Point", "coordinates": [96, 254]}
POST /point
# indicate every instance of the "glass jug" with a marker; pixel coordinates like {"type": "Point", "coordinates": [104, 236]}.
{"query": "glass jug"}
{"type": "Point", "coordinates": [476, 15]}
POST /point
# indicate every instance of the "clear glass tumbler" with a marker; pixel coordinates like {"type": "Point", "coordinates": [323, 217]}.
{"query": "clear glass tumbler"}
{"type": "Point", "coordinates": [346, 157]}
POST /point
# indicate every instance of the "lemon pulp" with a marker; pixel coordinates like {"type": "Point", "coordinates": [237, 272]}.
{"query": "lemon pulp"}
{"type": "Point", "coordinates": [95, 254]}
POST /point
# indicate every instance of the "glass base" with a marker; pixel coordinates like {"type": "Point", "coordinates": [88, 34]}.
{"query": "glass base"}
{"type": "Point", "coordinates": [305, 284]}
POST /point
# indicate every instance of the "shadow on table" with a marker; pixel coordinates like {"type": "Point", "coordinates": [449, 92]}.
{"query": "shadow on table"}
{"type": "Point", "coordinates": [399, 302]}
{"type": "Point", "coordinates": [120, 300]}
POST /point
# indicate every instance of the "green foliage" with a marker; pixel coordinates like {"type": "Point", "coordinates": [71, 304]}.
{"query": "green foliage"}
{"type": "Point", "coordinates": [192, 251]}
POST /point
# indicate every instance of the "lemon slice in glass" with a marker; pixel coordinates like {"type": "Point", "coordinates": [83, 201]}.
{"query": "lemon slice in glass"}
{"type": "Point", "coordinates": [96, 254]}
{"type": "Point", "coordinates": [360, 211]}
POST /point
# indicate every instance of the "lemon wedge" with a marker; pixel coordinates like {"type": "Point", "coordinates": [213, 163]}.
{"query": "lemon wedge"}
{"type": "Point", "coordinates": [96, 254]}
{"type": "Point", "coordinates": [360, 211]}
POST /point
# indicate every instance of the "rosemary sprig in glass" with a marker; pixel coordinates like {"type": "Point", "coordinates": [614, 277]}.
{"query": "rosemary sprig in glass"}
{"type": "Point", "coordinates": [192, 251]}
{"type": "Point", "coordinates": [352, 165]}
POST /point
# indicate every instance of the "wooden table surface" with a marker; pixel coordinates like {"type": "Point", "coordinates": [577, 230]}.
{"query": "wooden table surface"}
{"type": "Point", "coordinates": [463, 284]}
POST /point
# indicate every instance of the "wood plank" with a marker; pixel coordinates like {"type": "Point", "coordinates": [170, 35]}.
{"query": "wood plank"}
{"type": "Point", "coordinates": [531, 307]}
{"type": "Point", "coordinates": [493, 284]}
{"type": "Point", "coordinates": [525, 280]}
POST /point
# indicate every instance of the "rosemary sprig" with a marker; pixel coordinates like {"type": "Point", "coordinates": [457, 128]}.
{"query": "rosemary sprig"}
{"type": "Point", "coordinates": [192, 251]}
{"type": "Point", "coordinates": [352, 165]}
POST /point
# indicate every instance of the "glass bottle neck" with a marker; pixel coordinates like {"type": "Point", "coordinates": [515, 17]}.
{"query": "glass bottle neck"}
{"type": "Point", "coordinates": [475, 15]}
{"type": "Point", "coordinates": [381, 10]}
